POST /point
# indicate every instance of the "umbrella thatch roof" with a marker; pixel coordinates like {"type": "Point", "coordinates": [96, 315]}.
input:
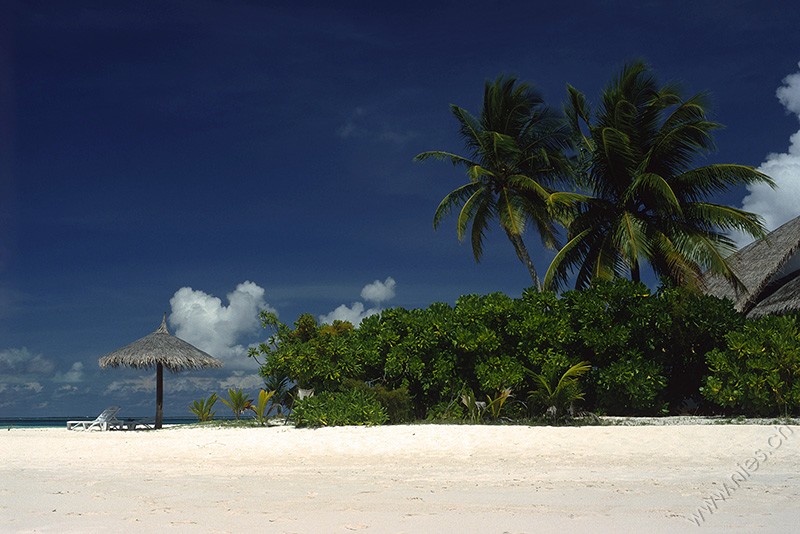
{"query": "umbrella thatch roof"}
{"type": "Point", "coordinates": [160, 350]}
{"type": "Point", "coordinates": [160, 347]}
{"type": "Point", "coordinates": [769, 269]}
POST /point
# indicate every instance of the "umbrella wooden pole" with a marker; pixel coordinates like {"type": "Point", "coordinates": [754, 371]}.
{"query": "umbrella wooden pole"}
{"type": "Point", "coordinates": [159, 395]}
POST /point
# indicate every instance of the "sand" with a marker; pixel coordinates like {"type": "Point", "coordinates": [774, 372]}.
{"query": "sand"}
{"type": "Point", "coordinates": [418, 478]}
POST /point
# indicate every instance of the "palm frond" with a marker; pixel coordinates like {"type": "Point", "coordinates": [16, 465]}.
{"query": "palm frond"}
{"type": "Point", "coordinates": [470, 129]}
{"type": "Point", "coordinates": [653, 191]}
{"type": "Point", "coordinates": [455, 159]}
{"type": "Point", "coordinates": [480, 223]}
{"type": "Point", "coordinates": [557, 271]}
{"type": "Point", "coordinates": [512, 218]}
{"type": "Point", "coordinates": [725, 218]}
{"type": "Point", "coordinates": [697, 184]}
{"type": "Point", "coordinates": [478, 198]}
{"type": "Point", "coordinates": [455, 198]}
{"type": "Point", "coordinates": [630, 238]}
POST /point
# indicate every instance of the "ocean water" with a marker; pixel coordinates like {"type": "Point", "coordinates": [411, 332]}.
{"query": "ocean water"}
{"type": "Point", "coordinates": [61, 422]}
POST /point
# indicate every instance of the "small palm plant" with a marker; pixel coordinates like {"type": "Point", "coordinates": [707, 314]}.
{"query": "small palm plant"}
{"type": "Point", "coordinates": [558, 395]}
{"type": "Point", "coordinates": [260, 408]}
{"type": "Point", "coordinates": [282, 387]}
{"type": "Point", "coordinates": [475, 408]}
{"type": "Point", "coordinates": [495, 405]}
{"type": "Point", "coordinates": [237, 401]}
{"type": "Point", "coordinates": [202, 408]}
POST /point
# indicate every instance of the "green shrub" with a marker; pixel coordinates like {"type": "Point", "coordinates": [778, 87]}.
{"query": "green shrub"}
{"type": "Point", "coordinates": [397, 403]}
{"type": "Point", "coordinates": [631, 386]}
{"type": "Point", "coordinates": [445, 411]}
{"type": "Point", "coordinates": [339, 408]}
{"type": "Point", "coordinates": [759, 371]}
{"type": "Point", "coordinates": [647, 350]}
{"type": "Point", "coordinates": [681, 326]}
{"type": "Point", "coordinates": [499, 372]}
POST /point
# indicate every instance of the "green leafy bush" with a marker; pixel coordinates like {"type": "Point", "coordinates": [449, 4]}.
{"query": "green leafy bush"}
{"type": "Point", "coordinates": [446, 411]}
{"type": "Point", "coordinates": [397, 403]}
{"type": "Point", "coordinates": [758, 373]}
{"type": "Point", "coordinates": [631, 386]}
{"type": "Point", "coordinates": [497, 372]}
{"type": "Point", "coordinates": [339, 408]}
{"type": "Point", "coordinates": [679, 327]}
{"type": "Point", "coordinates": [647, 350]}
{"type": "Point", "coordinates": [314, 356]}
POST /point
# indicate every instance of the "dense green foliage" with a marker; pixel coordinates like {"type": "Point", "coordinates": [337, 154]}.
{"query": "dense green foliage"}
{"type": "Point", "coordinates": [647, 351]}
{"type": "Point", "coordinates": [337, 408]}
{"type": "Point", "coordinates": [758, 371]}
{"type": "Point", "coordinates": [396, 402]}
{"type": "Point", "coordinates": [645, 200]}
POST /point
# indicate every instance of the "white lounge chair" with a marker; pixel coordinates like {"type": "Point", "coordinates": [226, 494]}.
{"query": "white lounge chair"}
{"type": "Point", "coordinates": [138, 424]}
{"type": "Point", "coordinates": [105, 421]}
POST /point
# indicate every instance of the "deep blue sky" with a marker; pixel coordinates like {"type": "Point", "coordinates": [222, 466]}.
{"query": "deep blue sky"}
{"type": "Point", "coordinates": [156, 145]}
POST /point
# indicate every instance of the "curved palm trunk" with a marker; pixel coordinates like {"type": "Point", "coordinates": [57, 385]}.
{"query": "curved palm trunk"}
{"type": "Point", "coordinates": [524, 257]}
{"type": "Point", "coordinates": [636, 275]}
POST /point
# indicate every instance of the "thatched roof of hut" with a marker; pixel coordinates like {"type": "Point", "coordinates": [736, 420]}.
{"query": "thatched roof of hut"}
{"type": "Point", "coordinates": [161, 347]}
{"type": "Point", "coordinates": [769, 269]}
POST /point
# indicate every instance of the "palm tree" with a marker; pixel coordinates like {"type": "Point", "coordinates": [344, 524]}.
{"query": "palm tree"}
{"type": "Point", "coordinates": [646, 202]}
{"type": "Point", "coordinates": [516, 149]}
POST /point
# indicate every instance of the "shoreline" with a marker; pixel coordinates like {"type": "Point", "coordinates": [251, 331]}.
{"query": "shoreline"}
{"type": "Point", "coordinates": [405, 478]}
{"type": "Point", "coordinates": [603, 420]}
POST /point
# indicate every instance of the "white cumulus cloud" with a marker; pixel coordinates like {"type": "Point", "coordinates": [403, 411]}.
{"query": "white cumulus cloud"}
{"type": "Point", "coordinates": [376, 292]}
{"type": "Point", "coordinates": [24, 362]}
{"type": "Point", "coordinates": [26, 377]}
{"type": "Point", "coordinates": [379, 291]}
{"type": "Point", "coordinates": [241, 380]}
{"type": "Point", "coordinates": [34, 387]}
{"type": "Point", "coordinates": [75, 374]}
{"type": "Point", "coordinates": [205, 322]}
{"type": "Point", "coordinates": [352, 314]}
{"type": "Point", "coordinates": [782, 203]}
{"type": "Point", "coordinates": [132, 385]}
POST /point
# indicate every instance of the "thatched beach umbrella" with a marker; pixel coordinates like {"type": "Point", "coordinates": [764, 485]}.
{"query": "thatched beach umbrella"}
{"type": "Point", "coordinates": [160, 350]}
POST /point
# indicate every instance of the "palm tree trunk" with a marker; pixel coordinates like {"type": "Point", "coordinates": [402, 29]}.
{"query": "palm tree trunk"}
{"type": "Point", "coordinates": [525, 258]}
{"type": "Point", "coordinates": [636, 275]}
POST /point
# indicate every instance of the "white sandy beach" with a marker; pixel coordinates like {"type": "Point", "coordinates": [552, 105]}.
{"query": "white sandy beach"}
{"type": "Point", "coordinates": [421, 478]}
